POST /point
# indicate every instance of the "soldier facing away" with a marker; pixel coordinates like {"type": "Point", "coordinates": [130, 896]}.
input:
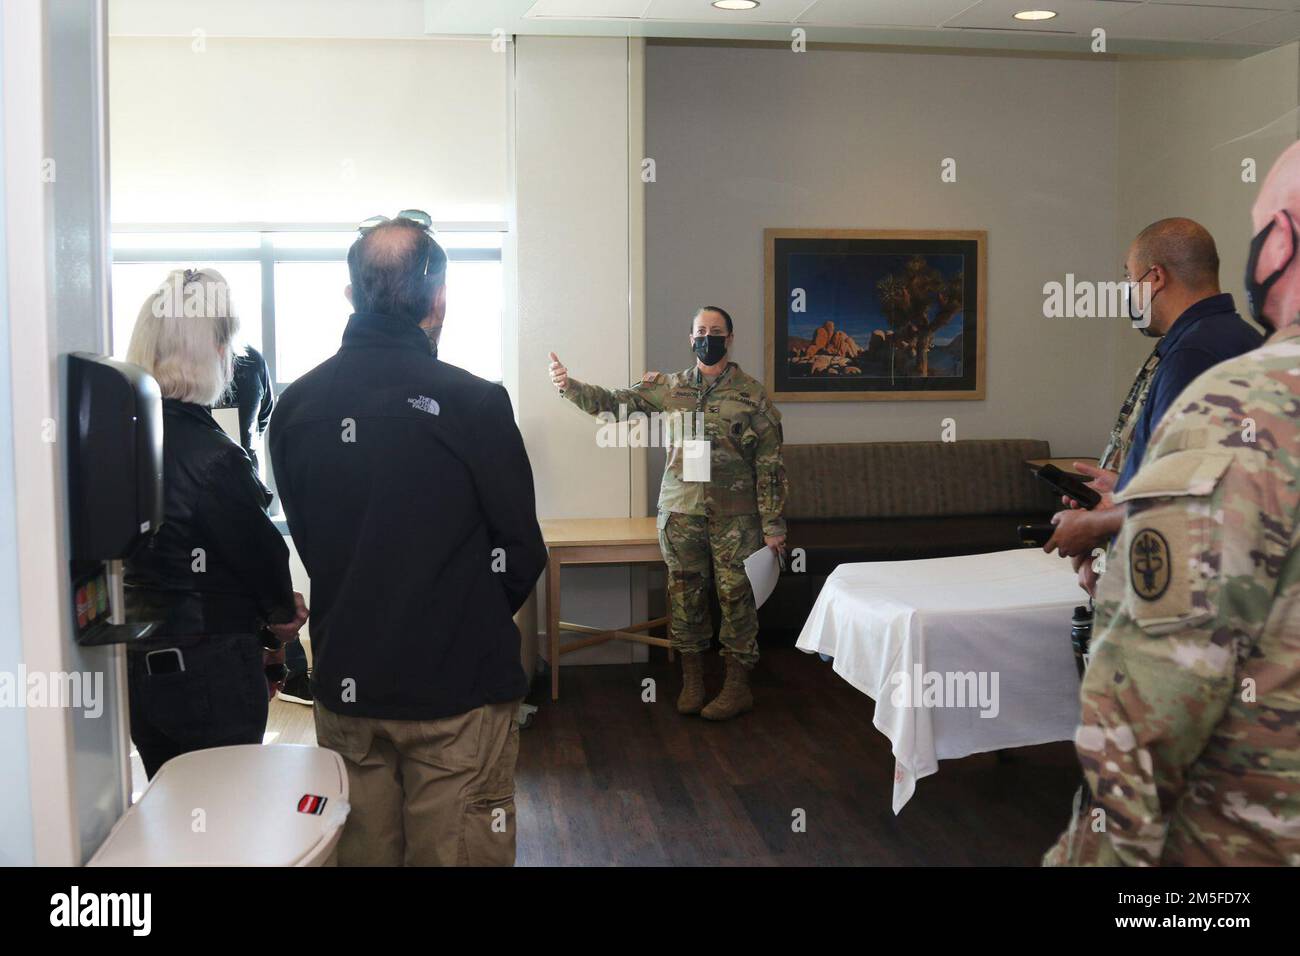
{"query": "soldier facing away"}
{"type": "Point", "coordinates": [1191, 704]}
{"type": "Point", "coordinates": [715, 510]}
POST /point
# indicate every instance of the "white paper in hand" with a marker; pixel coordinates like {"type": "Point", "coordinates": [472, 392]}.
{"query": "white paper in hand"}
{"type": "Point", "coordinates": [762, 569]}
{"type": "Point", "coordinates": [695, 459]}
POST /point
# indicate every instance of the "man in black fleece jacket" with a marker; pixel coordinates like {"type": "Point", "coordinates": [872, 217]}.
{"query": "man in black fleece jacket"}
{"type": "Point", "coordinates": [410, 499]}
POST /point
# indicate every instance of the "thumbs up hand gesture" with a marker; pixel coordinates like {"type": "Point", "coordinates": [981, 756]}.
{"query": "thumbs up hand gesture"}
{"type": "Point", "coordinates": [559, 374]}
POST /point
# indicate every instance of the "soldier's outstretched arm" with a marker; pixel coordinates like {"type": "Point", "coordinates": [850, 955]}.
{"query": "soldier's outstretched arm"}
{"type": "Point", "coordinates": [769, 470]}
{"type": "Point", "coordinates": [1182, 602]}
{"type": "Point", "coordinates": [646, 396]}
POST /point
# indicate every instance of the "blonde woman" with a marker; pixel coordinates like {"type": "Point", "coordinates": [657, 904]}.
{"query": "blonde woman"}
{"type": "Point", "coordinates": [217, 572]}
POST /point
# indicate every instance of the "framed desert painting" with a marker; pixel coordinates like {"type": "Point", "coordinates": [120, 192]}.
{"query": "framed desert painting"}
{"type": "Point", "coordinates": [873, 315]}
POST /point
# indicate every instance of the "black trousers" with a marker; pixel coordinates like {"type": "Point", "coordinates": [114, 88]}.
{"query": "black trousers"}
{"type": "Point", "coordinates": [219, 698]}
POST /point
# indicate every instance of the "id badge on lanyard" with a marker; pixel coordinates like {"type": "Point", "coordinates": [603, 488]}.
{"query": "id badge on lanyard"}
{"type": "Point", "coordinates": [696, 452]}
{"type": "Point", "coordinates": [696, 459]}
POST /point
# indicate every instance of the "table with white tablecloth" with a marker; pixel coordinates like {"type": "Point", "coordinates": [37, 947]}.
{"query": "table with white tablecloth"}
{"type": "Point", "coordinates": [993, 630]}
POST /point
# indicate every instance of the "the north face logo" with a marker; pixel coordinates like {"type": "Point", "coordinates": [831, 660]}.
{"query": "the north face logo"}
{"type": "Point", "coordinates": [424, 403]}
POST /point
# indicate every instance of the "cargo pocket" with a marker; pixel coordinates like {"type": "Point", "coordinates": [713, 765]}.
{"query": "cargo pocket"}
{"type": "Point", "coordinates": [1171, 540]}
{"type": "Point", "coordinates": [487, 834]}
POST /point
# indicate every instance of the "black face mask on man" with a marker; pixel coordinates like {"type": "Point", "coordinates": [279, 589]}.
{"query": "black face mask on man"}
{"type": "Point", "coordinates": [709, 349]}
{"type": "Point", "coordinates": [1257, 290]}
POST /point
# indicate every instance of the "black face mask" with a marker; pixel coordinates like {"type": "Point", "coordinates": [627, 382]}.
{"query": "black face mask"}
{"type": "Point", "coordinates": [1256, 291]}
{"type": "Point", "coordinates": [709, 349]}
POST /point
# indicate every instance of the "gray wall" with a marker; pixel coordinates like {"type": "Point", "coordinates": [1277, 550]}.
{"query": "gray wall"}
{"type": "Point", "coordinates": [750, 137]}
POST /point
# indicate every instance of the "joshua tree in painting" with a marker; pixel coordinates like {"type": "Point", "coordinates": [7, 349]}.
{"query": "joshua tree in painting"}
{"type": "Point", "coordinates": [917, 304]}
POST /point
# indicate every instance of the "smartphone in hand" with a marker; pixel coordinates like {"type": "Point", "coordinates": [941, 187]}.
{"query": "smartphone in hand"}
{"type": "Point", "coordinates": [1072, 486]}
{"type": "Point", "coordinates": [1036, 535]}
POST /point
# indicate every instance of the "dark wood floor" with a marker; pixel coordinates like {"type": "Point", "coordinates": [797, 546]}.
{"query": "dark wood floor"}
{"type": "Point", "coordinates": [606, 779]}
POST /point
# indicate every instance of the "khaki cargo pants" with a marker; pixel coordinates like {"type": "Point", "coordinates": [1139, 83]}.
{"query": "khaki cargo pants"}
{"type": "Point", "coordinates": [427, 792]}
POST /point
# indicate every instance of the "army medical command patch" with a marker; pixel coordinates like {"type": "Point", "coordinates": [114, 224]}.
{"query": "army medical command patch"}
{"type": "Point", "coordinates": [1148, 564]}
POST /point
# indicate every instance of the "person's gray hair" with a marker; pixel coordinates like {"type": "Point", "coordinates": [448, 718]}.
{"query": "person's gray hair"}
{"type": "Point", "coordinates": [185, 336]}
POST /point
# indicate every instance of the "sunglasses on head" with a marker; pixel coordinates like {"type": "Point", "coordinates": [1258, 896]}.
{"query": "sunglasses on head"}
{"type": "Point", "coordinates": [417, 216]}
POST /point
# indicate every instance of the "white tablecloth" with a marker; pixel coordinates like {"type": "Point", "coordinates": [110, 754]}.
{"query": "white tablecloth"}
{"type": "Point", "coordinates": [1001, 621]}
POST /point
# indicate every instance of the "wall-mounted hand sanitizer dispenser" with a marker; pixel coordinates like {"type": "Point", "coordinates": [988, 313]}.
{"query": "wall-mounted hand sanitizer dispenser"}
{"type": "Point", "coordinates": [115, 486]}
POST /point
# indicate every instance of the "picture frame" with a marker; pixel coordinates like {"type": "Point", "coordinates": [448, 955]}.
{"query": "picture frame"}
{"type": "Point", "coordinates": [874, 314]}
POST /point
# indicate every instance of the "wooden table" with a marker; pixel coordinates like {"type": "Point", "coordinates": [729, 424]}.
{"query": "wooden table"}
{"type": "Point", "coordinates": [595, 541]}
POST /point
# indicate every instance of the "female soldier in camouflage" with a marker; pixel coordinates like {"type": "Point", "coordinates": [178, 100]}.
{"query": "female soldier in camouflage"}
{"type": "Point", "coordinates": [708, 525]}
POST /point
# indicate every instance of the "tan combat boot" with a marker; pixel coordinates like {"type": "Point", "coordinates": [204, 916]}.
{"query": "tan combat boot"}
{"type": "Point", "coordinates": [691, 699]}
{"type": "Point", "coordinates": [735, 698]}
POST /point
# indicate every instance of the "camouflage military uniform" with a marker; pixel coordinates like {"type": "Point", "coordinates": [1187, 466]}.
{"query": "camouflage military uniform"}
{"type": "Point", "coordinates": [718, 523]}
{"type": "Point", "coordinates": [1191, 703]}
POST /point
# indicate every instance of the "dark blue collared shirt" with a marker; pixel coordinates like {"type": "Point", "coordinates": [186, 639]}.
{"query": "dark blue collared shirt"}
{"type": "Point", "coordinates": [1209, 332]}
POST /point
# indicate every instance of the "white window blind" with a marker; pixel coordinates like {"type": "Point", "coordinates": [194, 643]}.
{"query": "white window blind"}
{"type": "Point", "coordinates": [306, 130]}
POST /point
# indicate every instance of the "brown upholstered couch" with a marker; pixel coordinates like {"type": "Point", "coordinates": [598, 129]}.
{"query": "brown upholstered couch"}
{"type": "Point", "coordinates": [892, 501]}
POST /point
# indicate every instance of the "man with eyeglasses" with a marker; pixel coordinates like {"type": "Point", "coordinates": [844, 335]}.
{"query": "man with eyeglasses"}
{"type": "Point", "coordinates": [1187, 737]}
{"type": "Point", "coordinates": [410, 499]}
{"type": "Point", "coordinates": [1171, 276]}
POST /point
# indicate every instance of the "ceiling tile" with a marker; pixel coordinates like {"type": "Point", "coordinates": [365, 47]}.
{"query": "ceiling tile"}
{"type": "Point", "coordinates": [768, 11]}
{"type": "Point", "coordinates": [1275, 30]}
{"type": "Point", "coordinates": [587, 9]}
{"type": "Point", "coordinates": [876, 13]}
{"type": "Point", "coordinates": [1072, 16]}
{"type": "Point", "coordinates": [1245, 4]}
{"type": "Point", "coordinates": [1163, 21]}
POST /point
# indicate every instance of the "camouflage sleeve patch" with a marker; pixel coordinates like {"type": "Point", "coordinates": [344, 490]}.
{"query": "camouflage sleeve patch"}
{"type": "Point", "coordinates": [1170, 539]}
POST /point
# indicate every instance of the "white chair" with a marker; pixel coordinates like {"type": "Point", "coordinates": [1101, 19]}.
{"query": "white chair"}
{"type": "Point", "coordinates": [249, 805]}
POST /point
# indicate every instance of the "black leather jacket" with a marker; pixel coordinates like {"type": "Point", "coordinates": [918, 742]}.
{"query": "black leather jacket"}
{"type": "Point", "coordinates": [217, 564]}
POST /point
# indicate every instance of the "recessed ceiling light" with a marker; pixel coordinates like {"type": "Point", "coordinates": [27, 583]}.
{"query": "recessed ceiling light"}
{"type": "Point", "coordinates": [735, 4]}
{"type": "Point", "coordinates": [1035, 14]}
